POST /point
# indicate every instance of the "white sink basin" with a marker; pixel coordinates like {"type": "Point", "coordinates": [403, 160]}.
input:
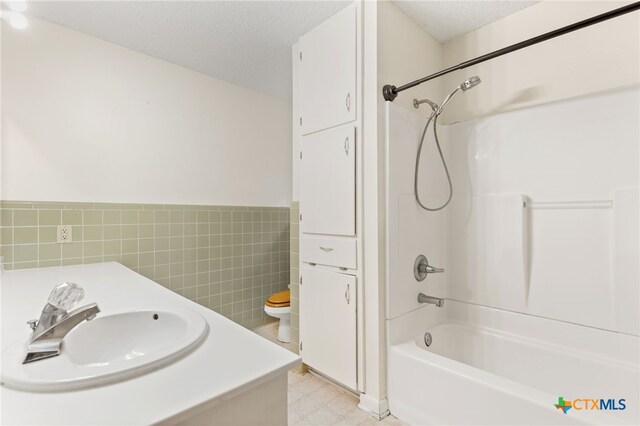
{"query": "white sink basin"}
{"type": "Point", "coordinates": [109, 348]}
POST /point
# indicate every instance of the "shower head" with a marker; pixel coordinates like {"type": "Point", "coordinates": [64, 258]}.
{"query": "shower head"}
{"type": "Point", "coordinates": [466, 85]}
{"type": "Point", "coordinates": [470, 83]}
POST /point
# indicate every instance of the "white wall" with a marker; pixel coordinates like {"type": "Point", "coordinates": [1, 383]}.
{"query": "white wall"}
{"type": "Point", "coordinates": [598, 58]}
{"type": "Point", "coordinates": [86, 120]}
{"type": "Point", "coordinates": [295, 124]}
{"type": "Point", "coordinates": [405, 53]}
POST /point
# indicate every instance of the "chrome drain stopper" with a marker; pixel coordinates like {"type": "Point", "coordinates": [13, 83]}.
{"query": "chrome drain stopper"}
{"type": "Point", "coordinates": [428, 339]}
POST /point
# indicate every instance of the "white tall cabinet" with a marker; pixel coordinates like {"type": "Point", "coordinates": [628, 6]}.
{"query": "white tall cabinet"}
{"type": "Point", "coordinates": [328, 182]}
{"type": "Point", "coordinates": [328, 95]}
{"type": "Point", "coordinates": [327, 91]}
{"type": "Point", "coordinates": [328, 323]}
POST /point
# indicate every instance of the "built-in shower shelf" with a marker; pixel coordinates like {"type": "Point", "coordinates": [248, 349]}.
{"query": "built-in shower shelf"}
{"type": "Point", "coordinates": [559, 205]}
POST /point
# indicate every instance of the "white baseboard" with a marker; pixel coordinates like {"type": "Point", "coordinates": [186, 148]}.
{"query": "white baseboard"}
{"type": "Point", "coordinates": [378, 408]}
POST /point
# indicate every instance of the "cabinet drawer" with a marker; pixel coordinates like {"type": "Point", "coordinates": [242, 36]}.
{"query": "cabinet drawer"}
{"type": "Point", "coordinates": [329, 251]}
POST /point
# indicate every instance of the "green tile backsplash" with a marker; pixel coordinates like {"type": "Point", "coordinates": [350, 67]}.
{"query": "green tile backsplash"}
{"type": "Point", "coordinates": [228, 258]}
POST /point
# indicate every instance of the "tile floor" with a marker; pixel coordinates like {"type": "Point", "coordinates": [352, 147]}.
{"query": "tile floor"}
{"type": "Point", "coordinates": [316, 401]}
{"type": "Point", "coordinates": [270, 331]}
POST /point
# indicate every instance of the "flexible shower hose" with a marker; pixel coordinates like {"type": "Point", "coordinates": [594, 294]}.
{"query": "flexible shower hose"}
{"type": "Point", "coordinates": [434, 118]}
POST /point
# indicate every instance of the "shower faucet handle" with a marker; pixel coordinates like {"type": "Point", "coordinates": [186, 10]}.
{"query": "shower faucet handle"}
{"type": "Point", "coordinates": [421, 268]}
{"type": "Point", "coordinates": [432, 269]}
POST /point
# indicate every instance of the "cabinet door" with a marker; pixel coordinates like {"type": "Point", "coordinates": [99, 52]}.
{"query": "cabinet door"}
{"type": "Point", "coordinates": [328, 182]}
{"type": "Point", "coordinates": [328, 324]}
{"type": "Point", "coordinates": [328, 73]}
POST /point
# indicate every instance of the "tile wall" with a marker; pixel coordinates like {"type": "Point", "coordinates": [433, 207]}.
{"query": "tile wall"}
{"type": "Point", "coordinates": [228, 258]}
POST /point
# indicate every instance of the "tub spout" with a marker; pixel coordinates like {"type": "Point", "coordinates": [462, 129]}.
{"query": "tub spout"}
{"type": "Point", "coordinates": [423, 298]}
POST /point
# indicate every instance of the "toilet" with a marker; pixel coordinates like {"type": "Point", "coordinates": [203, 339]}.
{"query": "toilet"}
{"type": "Point", "coordinates": [277, 306]}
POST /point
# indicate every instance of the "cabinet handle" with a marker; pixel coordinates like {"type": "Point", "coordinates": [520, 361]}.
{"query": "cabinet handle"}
{"type": "Point", "coordinates": [348, 102]}
{"type": "Point", "coordinates": [347, 295]}
{"type": "Point", "coordinates": [327, 249]}
{"type": "Point", "coordinates": [346, 145]}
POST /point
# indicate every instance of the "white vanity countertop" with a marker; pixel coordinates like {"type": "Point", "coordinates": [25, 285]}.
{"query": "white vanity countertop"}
{"type": "Point", "coordinates": [231, 359]}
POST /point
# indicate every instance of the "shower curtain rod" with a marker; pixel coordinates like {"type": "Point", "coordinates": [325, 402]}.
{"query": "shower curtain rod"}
{"type": "Point", "coordinates": [390, 92]}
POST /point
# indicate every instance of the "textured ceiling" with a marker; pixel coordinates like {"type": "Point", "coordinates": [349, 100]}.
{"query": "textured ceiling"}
{"type": "Point", "coordinates": [446, 19]}
{"type": "Point", "coordinates": [247, 43]}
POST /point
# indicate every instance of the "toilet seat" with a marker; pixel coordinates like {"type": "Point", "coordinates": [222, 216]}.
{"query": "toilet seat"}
{"type": "Point", "coordinates": [279, 300]}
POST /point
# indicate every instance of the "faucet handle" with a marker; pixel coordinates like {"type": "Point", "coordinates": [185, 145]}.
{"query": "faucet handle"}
{"type": "Point", "coordinates": [33, 324]}
{"type": "Point", "coordinates": [432, 269]}
{"type": "Point", "coordinates": [421, 268]}
{"type": "Point", "coordinates": [65, 295]}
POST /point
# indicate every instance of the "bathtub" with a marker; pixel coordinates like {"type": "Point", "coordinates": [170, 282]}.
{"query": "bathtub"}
{"type": "Point", "coordinates": [487, 366]}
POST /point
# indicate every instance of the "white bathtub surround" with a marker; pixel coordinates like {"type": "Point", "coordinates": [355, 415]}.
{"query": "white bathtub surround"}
{"type": "Point", "coordinates": [489, 366]}
{"type": "Point", "coordinates": [411, 231]}
{"type": "Point", "coordinates": [577, 165]}
{"type": "Point", "coordinates": [541, 251]}
{"type": "Point", "coordinates": [540, 196]}
{"type": "Point", "coordinates": [231, 370]}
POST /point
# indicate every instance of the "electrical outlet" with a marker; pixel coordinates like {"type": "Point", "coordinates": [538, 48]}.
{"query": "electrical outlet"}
{"type": "Point", "coordinates": [64, 234]}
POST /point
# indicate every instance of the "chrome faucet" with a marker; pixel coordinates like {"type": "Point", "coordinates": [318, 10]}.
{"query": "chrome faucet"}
{"type": "Point", "coordinates": [423, 298]}
{"type": "Point", "coordinates": [56, 321]}
{"type": "Point", "coordinates": [421, 268]}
